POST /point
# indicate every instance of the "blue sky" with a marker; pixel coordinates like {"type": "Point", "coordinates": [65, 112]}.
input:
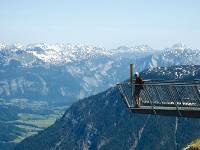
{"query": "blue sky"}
{"type": "Point", "coordinates": [109, 23]}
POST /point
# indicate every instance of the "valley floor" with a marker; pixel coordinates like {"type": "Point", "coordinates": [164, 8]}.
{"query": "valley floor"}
{"type": "Point", "coordinates": [21, 118]}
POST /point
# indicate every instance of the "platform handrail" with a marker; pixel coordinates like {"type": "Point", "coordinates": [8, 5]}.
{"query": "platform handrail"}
{"type": "Point", "coordinates": [173, 95]}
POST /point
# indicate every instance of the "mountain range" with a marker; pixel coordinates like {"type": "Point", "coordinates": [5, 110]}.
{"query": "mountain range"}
{"type": "Point", "coordinates": [36, 69]}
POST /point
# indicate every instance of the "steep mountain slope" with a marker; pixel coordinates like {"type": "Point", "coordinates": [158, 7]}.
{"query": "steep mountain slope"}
{"type": "Point", "coordinates": [102, 121]}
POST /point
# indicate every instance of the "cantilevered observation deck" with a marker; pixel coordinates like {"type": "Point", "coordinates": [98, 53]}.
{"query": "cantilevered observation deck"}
{"type": "Point", "coordinates": [169, 98]}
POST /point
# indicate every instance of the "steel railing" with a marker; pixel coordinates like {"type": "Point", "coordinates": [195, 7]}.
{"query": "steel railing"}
{"type": "Point", "coordinates": [163, 93]}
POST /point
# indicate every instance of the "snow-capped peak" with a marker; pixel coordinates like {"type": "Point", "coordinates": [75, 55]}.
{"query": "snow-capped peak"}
{"type": "Point", "coordinates": [143, 48]}
{"type": "Point", "coordinates": [18, 46]}
{"type": "Point", "coordinates": [2, 45]}
{"type": "Point", "coordinates": [38, 45]}
{"type": "Point", "coordinates": [137, 48]}
{"type": "Point", "coordinates": [179, 46]}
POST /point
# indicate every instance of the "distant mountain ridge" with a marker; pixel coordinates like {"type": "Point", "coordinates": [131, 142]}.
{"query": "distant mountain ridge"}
{"type": "Point", "coordinates": [63, 53]}
{"type": "Point", "coordinates": [57, 54]}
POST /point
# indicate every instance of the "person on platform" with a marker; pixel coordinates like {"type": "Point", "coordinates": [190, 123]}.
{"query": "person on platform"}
{"type": "Point", "coordinates": [138, 87]}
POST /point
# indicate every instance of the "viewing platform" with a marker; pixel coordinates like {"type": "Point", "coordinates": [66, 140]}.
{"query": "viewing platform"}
{"type": "Point", "coordinates": [168, 98]}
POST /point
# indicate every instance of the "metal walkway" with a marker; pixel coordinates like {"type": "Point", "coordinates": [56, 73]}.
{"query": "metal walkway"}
{"type": "Point", "coordinates": [168, 98]}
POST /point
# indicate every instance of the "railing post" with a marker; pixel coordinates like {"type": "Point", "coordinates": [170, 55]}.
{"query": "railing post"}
{"type": "Point", "coordinates": [131, 74]}
{"type": "Point", "coordinates": [131, 82]}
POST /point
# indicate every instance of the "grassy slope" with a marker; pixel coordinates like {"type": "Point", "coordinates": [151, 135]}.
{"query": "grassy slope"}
{"type": "Point", "coordinates": [195, 145]}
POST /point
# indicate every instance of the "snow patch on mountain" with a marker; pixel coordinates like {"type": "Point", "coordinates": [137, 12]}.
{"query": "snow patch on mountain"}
{"type": "Point", "coordinates": [179, 46]}
{"type": "Point", "coordinates": [137, 48]}
{"type": "Point", "coordinates": [106, 67]}
{"type": "Point", "coordinates": [75, 70]}
{"type": "Point", "coordinates": [2, 45]}
{"type": "Point", "coordinates": [90, 81]}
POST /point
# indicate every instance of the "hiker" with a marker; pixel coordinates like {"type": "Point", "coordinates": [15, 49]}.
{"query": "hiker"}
{"type": "Point", "coordinates": [138, 88]}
